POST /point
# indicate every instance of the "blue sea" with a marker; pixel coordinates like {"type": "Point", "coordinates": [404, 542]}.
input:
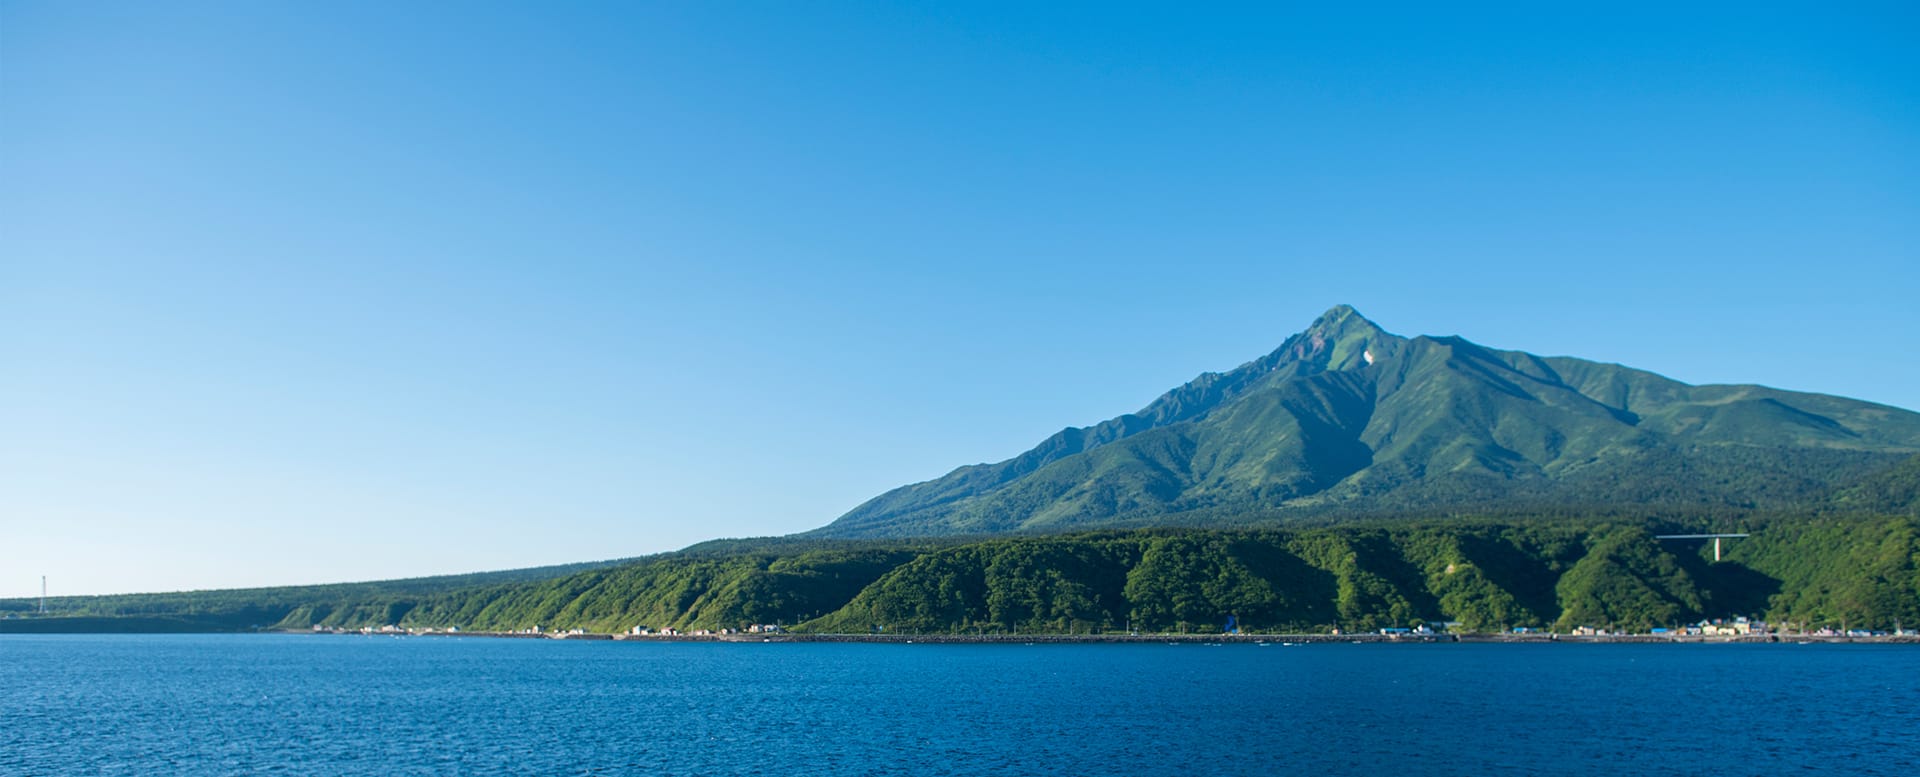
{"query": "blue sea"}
{"type": "Point", "coordinates": [339, 705]}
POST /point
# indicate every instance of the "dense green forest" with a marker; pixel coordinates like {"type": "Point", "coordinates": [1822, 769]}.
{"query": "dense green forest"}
{"type": "Point", "coordinates": [240, 609]}
{"type": "Point", "coordinates": [1891, 491]}
{"type": "Point", "coordinates": [1860, 572]}
{"type": "Point", "coordinates": [1484, 576]}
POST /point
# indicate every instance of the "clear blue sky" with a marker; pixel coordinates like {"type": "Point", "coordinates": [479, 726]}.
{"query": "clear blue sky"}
{"type": "Point", "coordinates": [316, 292]}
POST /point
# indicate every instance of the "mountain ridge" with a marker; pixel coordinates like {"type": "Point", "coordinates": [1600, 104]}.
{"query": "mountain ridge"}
{"type": "Point", "coordinates": [1347, 416]}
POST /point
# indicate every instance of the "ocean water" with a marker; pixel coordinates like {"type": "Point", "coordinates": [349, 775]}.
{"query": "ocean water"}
{"type": "Point", "coordinates": [276, 704]}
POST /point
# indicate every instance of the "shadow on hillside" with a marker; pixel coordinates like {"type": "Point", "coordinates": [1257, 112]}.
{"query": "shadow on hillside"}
{"type": "Point", "coordinates": [1528, 578]}
{"type": "Point", "coordinates": [1380, 555]}
{"type": "Point", "coordinates": [1731, 588]}
{"type": "Point", "coordinates": [1306, 593]}
{"type": "Point", "coordinates": [1737, 589]}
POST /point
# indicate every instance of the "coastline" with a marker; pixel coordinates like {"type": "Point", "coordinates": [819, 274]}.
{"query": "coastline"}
{"type": "Point", "coordinates": [1048, 639]}
{"type": "Point", "coordinates": [1195, 639]}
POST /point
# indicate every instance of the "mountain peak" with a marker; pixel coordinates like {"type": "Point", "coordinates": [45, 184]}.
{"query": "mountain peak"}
{"type": "Point", "coordinates": [1341, 310]}
{"type": "Point", "coordinates": [1344, 339]}
{"type": "Point", "coordinates": [1342, 319]}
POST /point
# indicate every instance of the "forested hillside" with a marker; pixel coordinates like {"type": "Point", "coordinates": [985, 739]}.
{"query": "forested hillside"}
{"type": "Point", "coordinates": [1892, 491]}
{"type": "Point", "coordinates": [1860, 572]}
{"type": "Point", "coordinates": [239, 609]}
{"type": "Point", "coordinates": [1484, 578]}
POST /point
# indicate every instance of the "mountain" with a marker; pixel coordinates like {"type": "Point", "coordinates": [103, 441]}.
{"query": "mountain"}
{"type": "Point", "coordinates": [1347, 419]}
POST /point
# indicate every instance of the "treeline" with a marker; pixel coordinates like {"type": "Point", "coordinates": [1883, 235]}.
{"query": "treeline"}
{"type": "Point", "coordinates": [1484, 576]}
{"type": "Point", "coordinates": [1851, 572]}
{"type": "Point", "coordinates": [688, 592]}
{"type": "Point", "coordinates": [1893, 491]}
{"type": "Point", "coordinates": [1697, 483]}
{"type": "Point", "coordinates": [243, 609]}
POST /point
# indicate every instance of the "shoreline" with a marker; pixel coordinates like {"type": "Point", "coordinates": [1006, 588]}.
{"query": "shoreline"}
{"type": "Point", "coordinates": [1204, 639]}
{"type": "Point", "coordinates": [1066, 639]}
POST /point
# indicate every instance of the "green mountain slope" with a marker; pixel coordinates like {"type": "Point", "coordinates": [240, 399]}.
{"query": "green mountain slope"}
{"type": "Point", "coordinates": [1345, 418]}
{"type": "Point", "coordinates": [241, 609]}
{"type": "Point", "coordinates": [1486, 577]}
{"type": "Point", "coordinates": [1558, 574]}
{"type": "Point", "coordinates": [1892, 491]}
{"type": "Point", "coordinates": [676, 591]}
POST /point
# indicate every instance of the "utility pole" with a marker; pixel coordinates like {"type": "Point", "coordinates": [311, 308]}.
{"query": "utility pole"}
{"type": "Point", "coordinates": [43, 594]}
